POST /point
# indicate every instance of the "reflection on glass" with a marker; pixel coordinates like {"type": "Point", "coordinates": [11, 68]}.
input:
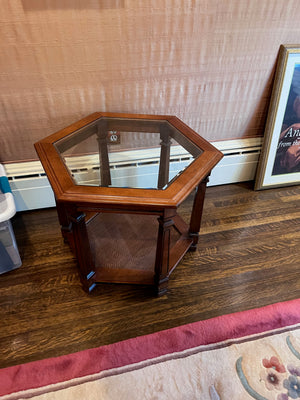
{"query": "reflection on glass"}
{"type": "Point", "coordinates": [117, 152]}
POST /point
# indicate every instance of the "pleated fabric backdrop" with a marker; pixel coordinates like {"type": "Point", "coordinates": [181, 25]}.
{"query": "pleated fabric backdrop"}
{"type": "Point", "coordinates": [209, 62]}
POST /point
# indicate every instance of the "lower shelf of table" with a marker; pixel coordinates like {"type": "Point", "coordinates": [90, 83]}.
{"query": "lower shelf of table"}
{"type": "Point", "coordinates": [123, 247]}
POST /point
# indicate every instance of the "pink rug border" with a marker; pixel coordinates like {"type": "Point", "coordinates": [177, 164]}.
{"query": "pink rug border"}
{"type": "Point", "coordinates": [232, 326]}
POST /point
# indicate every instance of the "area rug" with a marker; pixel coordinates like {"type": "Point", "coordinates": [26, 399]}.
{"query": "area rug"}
{"type": "Point", "coordinates": [247, 355]}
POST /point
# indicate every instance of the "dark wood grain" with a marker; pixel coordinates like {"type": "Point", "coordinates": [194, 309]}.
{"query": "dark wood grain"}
{"type": "Point", "coordinates": [247, 256]}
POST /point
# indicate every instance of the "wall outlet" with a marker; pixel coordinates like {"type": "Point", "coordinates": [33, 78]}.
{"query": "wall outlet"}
{"type": "Point", "coordinates": [114, 137]}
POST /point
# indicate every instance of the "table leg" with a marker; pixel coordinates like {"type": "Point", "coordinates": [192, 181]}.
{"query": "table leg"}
{"type": "Point", "coordinates": [103, 157]}
{"type": "Point", "coordinates": [164, 161]}
{"type": "Point", "coordinates": [83, 252]}
{"type": "Point", "coordinates": [162, 262]}
{"type": "Point", "coordinates": [197, 211]}
{"type": "Point", "coordinates": [65, 224]}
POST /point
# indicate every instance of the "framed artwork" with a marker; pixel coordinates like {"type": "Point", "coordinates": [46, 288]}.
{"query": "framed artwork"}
{"type": "Point", "coordinates": [279, 163]}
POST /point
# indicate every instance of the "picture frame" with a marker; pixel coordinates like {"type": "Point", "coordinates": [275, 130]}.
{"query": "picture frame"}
{"type": "Point", "coordinates": [279, 163]}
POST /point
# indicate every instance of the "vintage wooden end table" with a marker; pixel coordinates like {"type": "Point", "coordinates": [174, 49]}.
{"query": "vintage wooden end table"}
{"type": "Point", "coordinates": [118, 180]}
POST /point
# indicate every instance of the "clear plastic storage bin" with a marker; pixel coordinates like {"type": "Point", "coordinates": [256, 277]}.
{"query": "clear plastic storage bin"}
{"type": "Point", "coordinates": [9, 253]}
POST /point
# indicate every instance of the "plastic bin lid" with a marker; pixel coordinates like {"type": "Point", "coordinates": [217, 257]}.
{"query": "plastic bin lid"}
{"type": "Point", "coordinates": [7, 203]}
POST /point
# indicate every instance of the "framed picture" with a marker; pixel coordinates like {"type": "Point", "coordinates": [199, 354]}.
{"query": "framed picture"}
{"type": "Point", "coordinates": [279, 163]}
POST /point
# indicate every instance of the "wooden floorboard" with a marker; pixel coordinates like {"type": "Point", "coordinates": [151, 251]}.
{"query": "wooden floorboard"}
{"type": "Point", "coordinates": [248, 256]}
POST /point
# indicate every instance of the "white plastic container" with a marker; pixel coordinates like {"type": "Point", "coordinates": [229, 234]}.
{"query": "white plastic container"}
{"type": "Point", "coordinates": [9, 253]}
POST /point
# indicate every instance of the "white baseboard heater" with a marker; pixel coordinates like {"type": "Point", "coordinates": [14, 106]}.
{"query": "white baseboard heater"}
{"type": "Point", "coordinates": [31, 188]}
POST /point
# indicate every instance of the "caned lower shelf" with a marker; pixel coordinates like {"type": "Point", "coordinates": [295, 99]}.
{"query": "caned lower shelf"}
{"type": "Point", "coordinates": [123, 246]}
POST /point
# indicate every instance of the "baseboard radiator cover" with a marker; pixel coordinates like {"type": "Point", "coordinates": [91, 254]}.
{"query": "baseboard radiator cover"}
{"type": "Point", "coordinates": [31, 188]}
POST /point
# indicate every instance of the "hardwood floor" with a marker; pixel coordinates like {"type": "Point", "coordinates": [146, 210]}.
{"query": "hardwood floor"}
{"type": "Point", "coordinates": [248, 256]}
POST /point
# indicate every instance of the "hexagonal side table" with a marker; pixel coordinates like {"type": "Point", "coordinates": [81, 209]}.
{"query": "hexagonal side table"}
{"type": "Point", "coordinates": [118, 180]}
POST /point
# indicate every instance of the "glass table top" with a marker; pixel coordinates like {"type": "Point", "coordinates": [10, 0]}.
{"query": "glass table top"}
{"type": "Point", "coordinates": [127, 153]}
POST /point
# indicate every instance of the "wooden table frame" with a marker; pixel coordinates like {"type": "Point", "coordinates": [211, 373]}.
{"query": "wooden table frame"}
{"type": "Point", "coordinates": [77, 205]}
